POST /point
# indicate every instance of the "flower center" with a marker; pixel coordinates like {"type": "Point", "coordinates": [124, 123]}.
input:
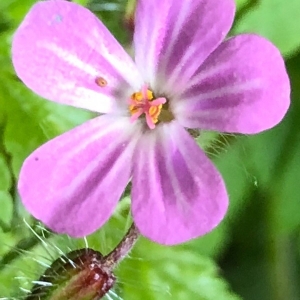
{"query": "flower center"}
{"type": "Point", "coordinates": [144, 103]}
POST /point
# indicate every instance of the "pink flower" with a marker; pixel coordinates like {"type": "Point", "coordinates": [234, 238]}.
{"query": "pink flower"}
{"type": "Point", "coordinates": [183, 76]}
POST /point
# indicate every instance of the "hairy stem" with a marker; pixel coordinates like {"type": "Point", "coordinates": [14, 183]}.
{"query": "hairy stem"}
{"type": "Point", "coordinates": [122, 249]}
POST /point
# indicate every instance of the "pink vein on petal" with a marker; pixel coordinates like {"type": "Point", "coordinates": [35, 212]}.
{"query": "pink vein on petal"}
{"type": "Point", "coordinates": [177, 193]}
{"type": "Point", "coordinates": [242, 87]}
{"type": "Point", "coordinates": [73, 182]}
{"type": "Point", "coordinates": [173, 38]}
{"type": "Point", "coordinates": [60, 50]}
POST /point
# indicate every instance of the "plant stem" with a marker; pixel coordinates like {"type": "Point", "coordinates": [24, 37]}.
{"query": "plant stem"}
{"type": "Point", "coordinates": [111, 260]}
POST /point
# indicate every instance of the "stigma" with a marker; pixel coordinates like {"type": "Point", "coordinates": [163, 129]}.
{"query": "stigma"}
{"type": "Point", "coordinates": [143, 103]}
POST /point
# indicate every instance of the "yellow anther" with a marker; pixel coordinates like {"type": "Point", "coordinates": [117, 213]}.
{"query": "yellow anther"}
{"type": "Point", "coordinates": [149, 95]}
{"type": "Point", "coordinates": [137, 96]}
{"type": "Point", "coordinates": [143, 103]}
{"type": "Point", "coordinates": [133, 109]}
{"type": "Point", "coordinates": [154, 112]}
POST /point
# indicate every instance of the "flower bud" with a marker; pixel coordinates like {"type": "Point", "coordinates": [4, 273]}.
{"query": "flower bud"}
{"type": "Point", "coordinates": [78, 275]}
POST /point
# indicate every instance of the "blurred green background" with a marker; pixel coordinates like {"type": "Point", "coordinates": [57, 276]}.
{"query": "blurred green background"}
{"type": "Point", "coordinates": [253, 255]}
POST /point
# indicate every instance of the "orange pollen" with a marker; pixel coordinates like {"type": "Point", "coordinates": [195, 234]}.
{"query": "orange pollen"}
{"type": "Point", "coordinates": [143, 102]}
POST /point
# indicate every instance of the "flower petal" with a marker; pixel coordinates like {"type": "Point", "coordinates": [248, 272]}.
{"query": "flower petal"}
{"type": "Point", "coordinates": [172, 38]}
{"type": "Point", "coordinates": [61, 50]}
{"type": "Point", "coordinates": [73, 182]}
{"type": "Point", "coordinates": [242, 87]}
{"type": "Point", "coordinates": [177, 193]}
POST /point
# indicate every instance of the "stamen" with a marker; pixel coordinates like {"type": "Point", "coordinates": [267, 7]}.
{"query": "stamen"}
{"type": "Point", "coordinates": [143, 102]}
{"type": "Point", "coordinates": [136, 115]}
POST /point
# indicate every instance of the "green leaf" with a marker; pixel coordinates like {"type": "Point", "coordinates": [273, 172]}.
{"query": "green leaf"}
{"type": "Point", "coordinates": [241, 3]}
{"type": "Point", "coordinates": [31, 121]}
{"type": "Point", "coordinates": [157, 272]}
{"type": "Point", "coordinates": [81, 2]}
{"type": "Point", "coordinates": [286, 198]}
{"type": "Point", "coordinates": [112, 14]}
{"type": "Point", "coordinates": [5, 176]}
{"type": "Point", "coordinates": [6, 204]}
{"type": "Point", "coordinates": [276, 20]}
{"type": "Point", "coordinates": [236, 174]}
{"type": "Point", "coordinates": [16, 11]}
{"type": "Point", "coordinates": [274, 158]}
